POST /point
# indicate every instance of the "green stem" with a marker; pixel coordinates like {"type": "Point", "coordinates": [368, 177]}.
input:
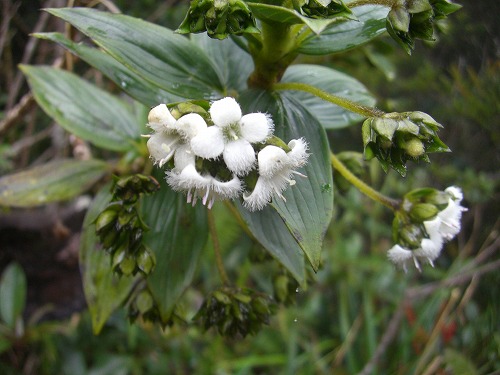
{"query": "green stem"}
{"type": "Point", "coordinates": [337, 100]}
{"type": "Point", "coordinates": [218, 256]}
{"type": "Point", "coordinates": [393, 204]}
{"type": "Point", "coordinates": [357, 3]}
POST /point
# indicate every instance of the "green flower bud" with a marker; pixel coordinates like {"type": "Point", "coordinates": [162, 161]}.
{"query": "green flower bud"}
{"type": "Point", "coordinates": [127, 266]}
{"type": "Point", "coordinates": [106, 219]}
{"type": "Point", "coordinates": [146, 261]}
{"type": "Point", "coordinates": [219, 18]}
{"type": "Point", "coordinates": [414, 147]}
{"type": "Point", "coordinates": [394, 138]}
{"type": "Point", "coordinates": [421, 23]}
{"type": "Point", "coordinates": [399, 18]}
{"type": "Point", "coordinates": [423, 211]}
{"type": "Point", "coordinates": [322, 9]}
{"type": "Point", "coordinates": [144, 301]}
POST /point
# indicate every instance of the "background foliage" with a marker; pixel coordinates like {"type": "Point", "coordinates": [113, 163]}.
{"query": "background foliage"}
{"type": "Point", "coordinates": [359, 315]}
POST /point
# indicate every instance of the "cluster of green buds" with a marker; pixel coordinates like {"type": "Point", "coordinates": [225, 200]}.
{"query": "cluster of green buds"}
{"type": "Point", "coordinates": [321, 8]}
{"type": "Point", "coordinates": [219, 18]}
{"type": "Point", "coordinates": [395, 138]}
{"type": "Point", "coordinates": [285, 288]}
{"type": "Point", "coordinates": [120, 227]}
{"type": "Point", "coordinates": [143, 305]}
{"type": "Point", "coordinates": [409, 20]}
{"type": "Point", "coordinates": [427, 218]}
{"type": "Point", "coordinates": [235, 311]}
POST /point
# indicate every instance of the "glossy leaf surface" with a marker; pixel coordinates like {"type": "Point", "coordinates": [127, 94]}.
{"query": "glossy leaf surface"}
{"type": "Point", "coordinates": [173, 63]}
{"type": "Point", "coordinates": [55, 181]}
{"type": "Point", "coordinates": [177, 235]}
{"type": "Point", "coordinates": [82, 108]}
{"type": "Point", "coordinates": [346, 35]}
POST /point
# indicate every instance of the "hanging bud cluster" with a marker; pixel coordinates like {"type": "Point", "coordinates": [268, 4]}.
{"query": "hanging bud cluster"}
{"type": "Point", "coordinates": [219, 18]}
{"type": "Point", "coordinates": [409, 20]}
{"type": "Point", "coordinates": [234, 311]}
{"type": "Point", "coordinates": [395, 138]}
{"type": "Point", "coordinates": [427, 219]}
{"type": "Point", "coordinates": [223, 154]}
{"type": "Point", "coordinates": [120, 227]}
{"type": "Point", "coordinates": [322, 9]}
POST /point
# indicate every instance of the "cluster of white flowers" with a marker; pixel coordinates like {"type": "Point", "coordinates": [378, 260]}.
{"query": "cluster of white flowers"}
{"type": "Point", "coordinates": [216, 161]}
{"type": "Point", "coordinates": [442, 228]}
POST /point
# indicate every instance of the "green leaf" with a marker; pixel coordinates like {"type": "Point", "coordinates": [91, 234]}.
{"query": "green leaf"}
{"type": "Point", "coordinates": [233, 65]}
{"type": "Point", "coordinates": [270, 230]}
{"type": "Point", "coordinates": [177, 235]}
{"type": "Point", "coordinates": [12, 294]}
{"type": "Point", "coordinates": [165, 59]}
{"type": "Point", "coordinates": [349, 34]}
{"type": "Point", "coordinates": [329, 115]}
{"type": "Point", "coordinates": [128, 80]}
{"type": "Point", "coordinates": [82, 108]}
{"type": "Point", "coordinates": [104, 291]}
{"type": "Point", "coordinates": [308, 209]}
{"type": "Point", "coordinates": [272, 13]}
{"type": "Point", "coordinates": [55, 181]}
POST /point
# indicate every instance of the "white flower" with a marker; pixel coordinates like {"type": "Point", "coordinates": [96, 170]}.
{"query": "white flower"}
{"type": "Point", "coordinates": [232, 135]}
{"type": "Point", "coordinates": [428, 251]}
{"type": "Point", "coordinates": [170, 134]}
{"type": "Point", "coordinates": [209, 189]}
{"type": "Point", "coordinates": [276, 170]}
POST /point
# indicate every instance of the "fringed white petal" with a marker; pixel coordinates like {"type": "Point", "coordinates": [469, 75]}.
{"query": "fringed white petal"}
{"type": "Point", "coordinates": [256, 127]}
{"type": "Point", "coordinates": [239, 156]}
{"type": "Point", "coordinates": [455, 192]}
{"type": "Point", "coordinates": [450, 218]}
{"type": "Point", "coordinates": [208, 143]}
{"type": "Point", "coordinates": [260, 196]}
{"type": "Point", "coordinates": [191, 125]}
{"type": "Point", "coordinates": [298, 153]}
{"type": "Point", "coordinates": [225, 112]}
{"type": "Point", "coordinates": [399, 255]}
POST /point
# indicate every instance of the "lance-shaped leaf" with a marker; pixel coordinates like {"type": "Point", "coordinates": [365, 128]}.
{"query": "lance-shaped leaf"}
{"type": "Point", "coordinates": [155, 53]}
{"type": "Point", "coordinates": [272, 13]}
{"type": "Point", "coordinates": [346, 35]}
{"type": "Point", "coordinates": [177, 235]}
{"type": "Point", "coordinates": [334, 82]}
{"type": "Point", "coordinates": [12, 294]}
{"type": "Point", "coordinates": [55, 181]}
{"type": "Point", "coordinates": [233, 65]}
{"type": "Point", "coordinates": [104, 290]}
{"type": "Point", "coordinates": [82, 108]}
{"type": "Point", "coordinates": [128, 80]}
{"type": "Point", "coordinates": [308, 209]}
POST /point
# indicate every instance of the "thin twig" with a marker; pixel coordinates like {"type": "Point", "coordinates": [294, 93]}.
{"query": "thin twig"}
{"type": "Point", "coordinates": [8, 11]}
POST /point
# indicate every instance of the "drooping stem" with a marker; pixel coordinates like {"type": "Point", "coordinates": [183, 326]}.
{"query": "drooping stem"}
{"type": "Point", "coordinates": [337, 100]}
{"type": "Point", "coordinates": [393, 204]}
{"type": "Point", "coordinates": [218, 256]}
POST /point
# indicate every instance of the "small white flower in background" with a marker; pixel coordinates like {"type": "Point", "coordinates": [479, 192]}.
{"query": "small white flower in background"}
{"type": "Point", "coordinates": [443, 227]}
{"type": "Point", "coordinates": [202, 154]}
{"type": "Point", "coordinates": [276, 170]}
{"type": "Point", "coordinates": [232, 135]}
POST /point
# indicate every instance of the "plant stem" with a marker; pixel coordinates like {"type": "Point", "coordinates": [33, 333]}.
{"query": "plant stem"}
{"type": "Point", "coordinates": [342, 102]}
{"type": "Point", "coordinates": [218, 256]}
{"type": "Point", "coordinates": [357, 3]}
{"type": "Point", "coordinates": [393, 204]}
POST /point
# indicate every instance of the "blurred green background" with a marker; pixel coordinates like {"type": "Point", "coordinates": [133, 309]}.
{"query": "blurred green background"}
{"type": "Point", "coordinates": [360, 314]}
